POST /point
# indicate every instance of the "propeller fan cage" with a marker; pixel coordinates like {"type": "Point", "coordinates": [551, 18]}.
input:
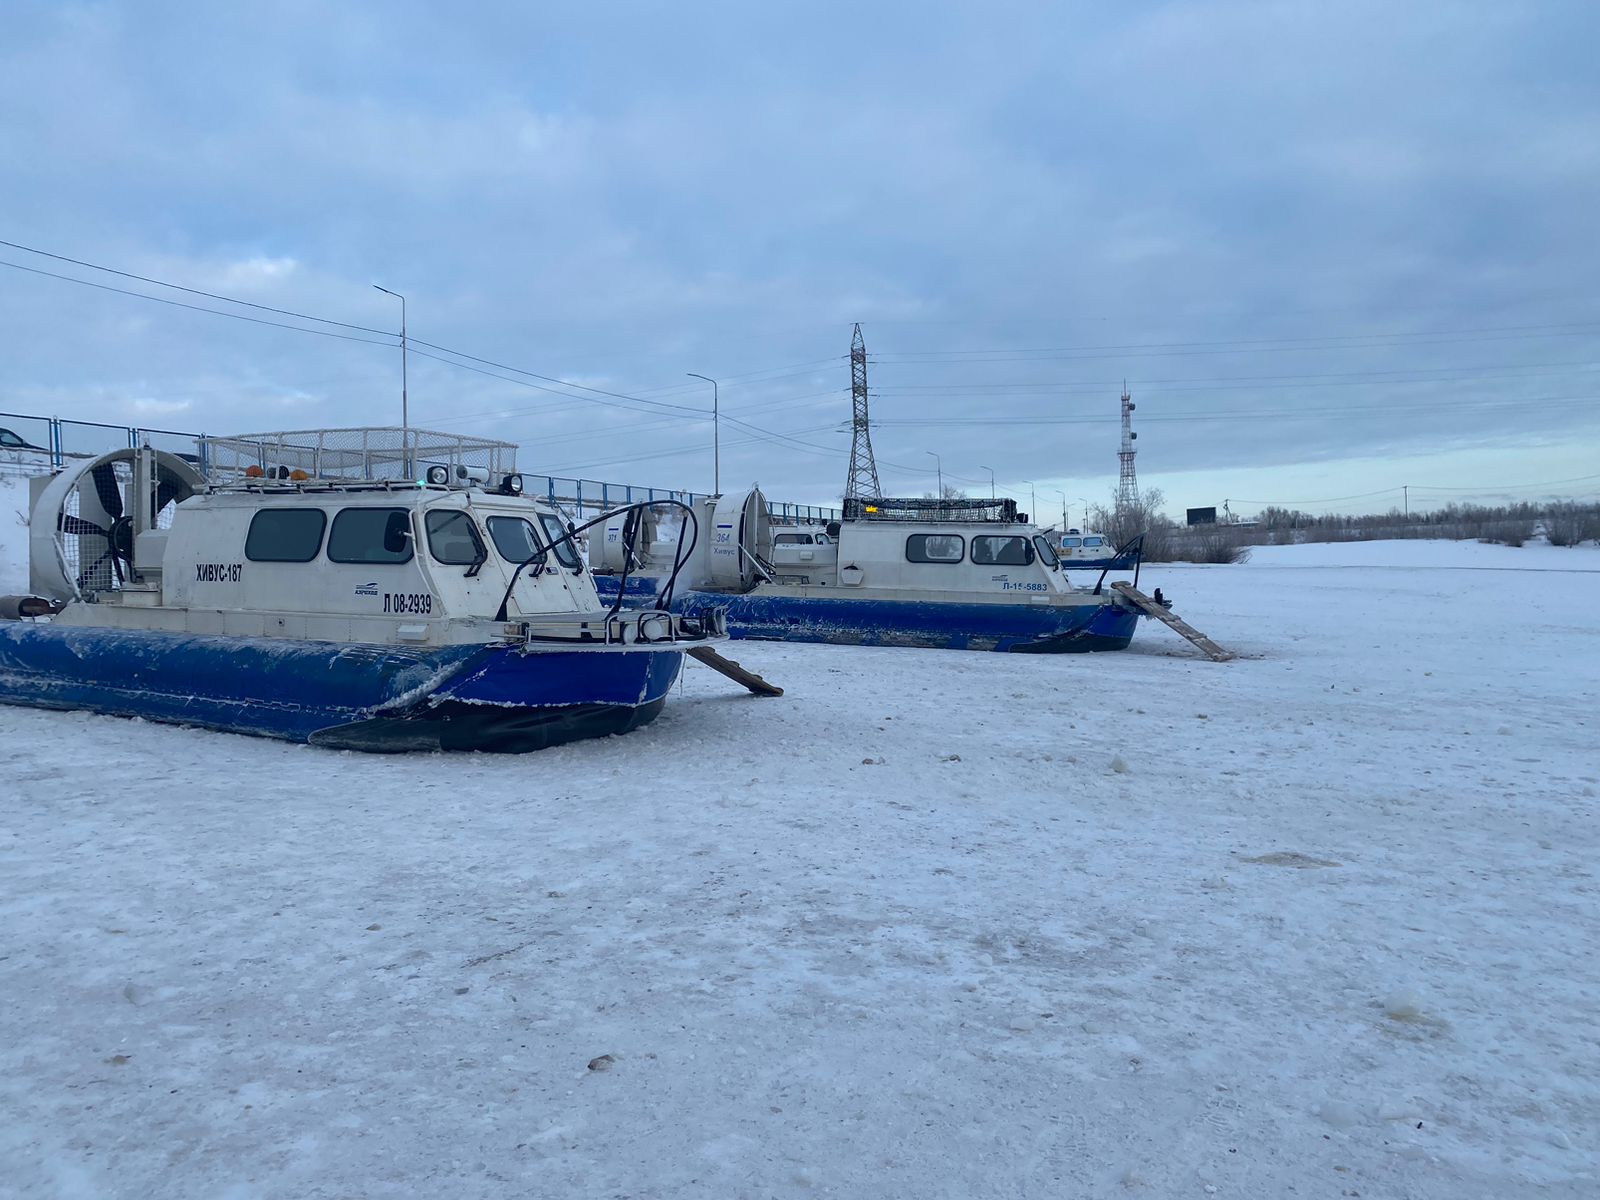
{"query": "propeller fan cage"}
{"type": "Point", "coordinates": [85, 527]}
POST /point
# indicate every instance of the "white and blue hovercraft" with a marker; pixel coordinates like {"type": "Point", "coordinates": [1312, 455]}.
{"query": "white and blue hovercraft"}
{"type": "Point", "coordinates": [316, 591]}
{"type": "Point", "coordinates": [957, 574]}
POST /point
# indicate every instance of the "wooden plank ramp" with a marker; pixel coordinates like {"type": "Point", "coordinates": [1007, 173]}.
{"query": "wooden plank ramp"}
{"type": "Point", "coordinates": [1212, 651]}
{"type": "Point", "coordinates": [734, 671]}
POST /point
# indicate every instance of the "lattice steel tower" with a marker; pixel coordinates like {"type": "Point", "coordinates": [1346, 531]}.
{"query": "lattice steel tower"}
{"type": "Point", "coordinates": [1127, 481]}
{"type": "Point", "coordinates": [862, 482]}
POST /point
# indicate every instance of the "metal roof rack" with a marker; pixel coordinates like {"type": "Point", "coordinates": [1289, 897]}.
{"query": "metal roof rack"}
{"type": "Point", "coordinates": [373, 453]}
{"type": "Point", "coordinates": [928, 509]}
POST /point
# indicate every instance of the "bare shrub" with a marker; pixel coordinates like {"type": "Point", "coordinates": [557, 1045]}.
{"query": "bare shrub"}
{"type": "Point", "coordinates": [1507, 533]}
{"type": "Point", "coordinates": [1571, 524]}
{"type": "Point", "coordinates": [1122, 523]}
{"type": "Point", "coordinates": [1211, 544]}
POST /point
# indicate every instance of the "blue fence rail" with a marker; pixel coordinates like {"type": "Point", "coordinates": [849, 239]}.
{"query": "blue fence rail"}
{"type": "Point", "coordinates": [60, 439]}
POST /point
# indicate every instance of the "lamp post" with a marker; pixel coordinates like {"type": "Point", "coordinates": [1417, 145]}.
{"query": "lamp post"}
{"type": "Point", "coordinates": [938, 466]}
{"type": "Point", "coordinates": [1083, 500]}
{"type": "Point", "coordinates": [716, 432]}
{"type": "Point", "coordinates": [1063, 496]}
{"type": "Point", "coordinates": [981, 467]}
{"type": "Point", "coordinates": [405, 406]}
{"type": "Point", "coordinates": [1033, 500]}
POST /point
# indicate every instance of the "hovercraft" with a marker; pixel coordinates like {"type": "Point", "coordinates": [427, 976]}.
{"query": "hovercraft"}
{"type": "Point", "coordinates": [371, 590]}
{"type": "Point", "coordinates": [959, 574]}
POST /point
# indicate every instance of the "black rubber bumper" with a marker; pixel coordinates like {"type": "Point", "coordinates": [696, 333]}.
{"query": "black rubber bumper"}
{"type": "Point", "coordinates": [452, 725]}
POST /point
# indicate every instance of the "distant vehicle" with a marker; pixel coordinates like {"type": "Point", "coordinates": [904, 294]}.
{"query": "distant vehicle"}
{"type": "Point", "coordinates": [794, 548]}
{"type": "Point", "coordinates": [10, 440]}
{"type": "Point", "coordinates": [1084, 549]}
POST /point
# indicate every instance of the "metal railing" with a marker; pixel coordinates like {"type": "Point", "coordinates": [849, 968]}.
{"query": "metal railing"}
{"type": "Point", "coordinates": [51, 441]}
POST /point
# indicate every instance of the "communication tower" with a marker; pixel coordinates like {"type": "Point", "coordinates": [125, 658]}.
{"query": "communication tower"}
{"type": "Point", "coordinates": [1127, 481]}
{"type": "Point", "coordinates": [862, 482]}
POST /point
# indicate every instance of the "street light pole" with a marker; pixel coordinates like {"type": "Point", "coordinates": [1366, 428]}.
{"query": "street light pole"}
{"type": "Point", "coordinates": [938, 466]}
{"type": "Point", "coordinates": [716, 432]}
{"type": "Point", "coordinates": [405, 404]}
{"type": "Point", "coordinates": [1084, 500]}
{"type": "Point", "coordinates": [1063, 496]}
{"type": "Point", "coordinates": [981, 467]}
{"type": "Point", "coordinates": [1033, 500]}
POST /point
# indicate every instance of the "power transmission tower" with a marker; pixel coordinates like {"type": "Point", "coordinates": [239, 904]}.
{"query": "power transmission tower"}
{"type": "Point", "coordinates": [1127, 481]}
{"type": "Point", "coordinates": [862, 482]}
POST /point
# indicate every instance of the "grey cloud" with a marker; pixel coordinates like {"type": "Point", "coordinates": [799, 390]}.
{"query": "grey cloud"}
{"type": "Point", "coordinates": [625, 195]}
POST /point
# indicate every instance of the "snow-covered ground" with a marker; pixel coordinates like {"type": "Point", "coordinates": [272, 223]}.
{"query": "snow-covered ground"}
{"type": "Point", "coordinates": [1317, 922]}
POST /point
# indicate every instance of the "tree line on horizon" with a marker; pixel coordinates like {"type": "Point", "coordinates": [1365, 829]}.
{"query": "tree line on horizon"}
{"type": "Point", "coordinates": [1561, 523]}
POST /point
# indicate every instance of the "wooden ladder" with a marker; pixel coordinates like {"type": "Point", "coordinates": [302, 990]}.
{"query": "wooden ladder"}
{"type": "Point", "coordinates": [734, 671]}
{"type": "Point", "coordinates": [1212, 651]}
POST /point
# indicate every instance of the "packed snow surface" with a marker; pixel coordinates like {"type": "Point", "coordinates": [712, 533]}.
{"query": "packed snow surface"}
{"type": "Point", "coordinates": [1320, 921]}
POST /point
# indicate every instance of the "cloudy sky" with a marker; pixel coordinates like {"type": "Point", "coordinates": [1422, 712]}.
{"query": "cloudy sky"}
{"type": "Point", "coordinates": [1332, 248]}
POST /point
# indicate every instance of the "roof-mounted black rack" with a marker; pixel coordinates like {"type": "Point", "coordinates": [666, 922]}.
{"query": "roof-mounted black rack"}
{"type": "Point", "coordinates": [928, 509]}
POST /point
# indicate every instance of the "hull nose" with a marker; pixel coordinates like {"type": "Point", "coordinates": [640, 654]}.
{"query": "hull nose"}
{"type": "Point", "coordinates": [453, 725]}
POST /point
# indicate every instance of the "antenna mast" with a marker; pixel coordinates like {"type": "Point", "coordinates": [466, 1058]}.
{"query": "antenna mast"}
{"type": "Point", "coordinates": [1127, 482]}
{"type": "Point", "coordinates": [862, 482]}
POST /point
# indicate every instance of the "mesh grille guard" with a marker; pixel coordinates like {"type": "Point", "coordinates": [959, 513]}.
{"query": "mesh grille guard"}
{"type": "Point", "coordinates": [928, 509]}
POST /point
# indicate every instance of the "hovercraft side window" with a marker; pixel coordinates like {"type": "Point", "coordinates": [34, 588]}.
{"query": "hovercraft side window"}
{"type": "Point", "coordinates": [515, 539]}
{"type": "Point", "coordinates": [1046, 551]}
{"type": "Point", "coordinates": [793, 539]}
{"type": "Point", "coordinates": [566, 552]}
{"type": "Point", "coordinates": [935, 548]}
{"type": "Point", "coordinates": [371, 535]}
{"type": "Point", "coordinates": [1001, 551]}
{"type": "Point", "coordinates": [289, 535]}
{"type": "Point", "coordinates": [1071, 543]}
{"type": "Point", "coordinates": [453, 538]}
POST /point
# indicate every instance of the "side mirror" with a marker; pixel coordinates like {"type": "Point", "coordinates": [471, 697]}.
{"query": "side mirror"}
{"type": "Point", "coordinates": [395, 532]}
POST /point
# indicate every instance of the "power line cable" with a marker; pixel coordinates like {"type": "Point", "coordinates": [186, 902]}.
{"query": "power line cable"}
{"type": "Point", "coordinates": [613, 431]}
{"type": "Point", "coordinates": [697, 448]}
{"type": "Point", "coordinates": [832, 450]}
{"type": "Point", "coordinates": [1504, 487]}
{"type": "Point", "coordinates": [1422, 375]}
{"type": "Point", "coordinates": [551, 379]}
{"type": "Point", "coordinates": [284, 312]}
{"type": "Point", "coordinates": [1312, 342]}
{"type": "Point", "coordinates": [540, 388]}
{"type": "Point", "coordinates": [689, 387]}
{"type": "Point", "coordinates": [1328, 500]}
{"type": "Point", "coordinates": [1483, 405]}
{"type": "Point", "coordinates": [216, 312]}
{"type": "Point", "coordinates": [1241, 349]}
{"type": "Point", "coordinates": [290, 313]}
